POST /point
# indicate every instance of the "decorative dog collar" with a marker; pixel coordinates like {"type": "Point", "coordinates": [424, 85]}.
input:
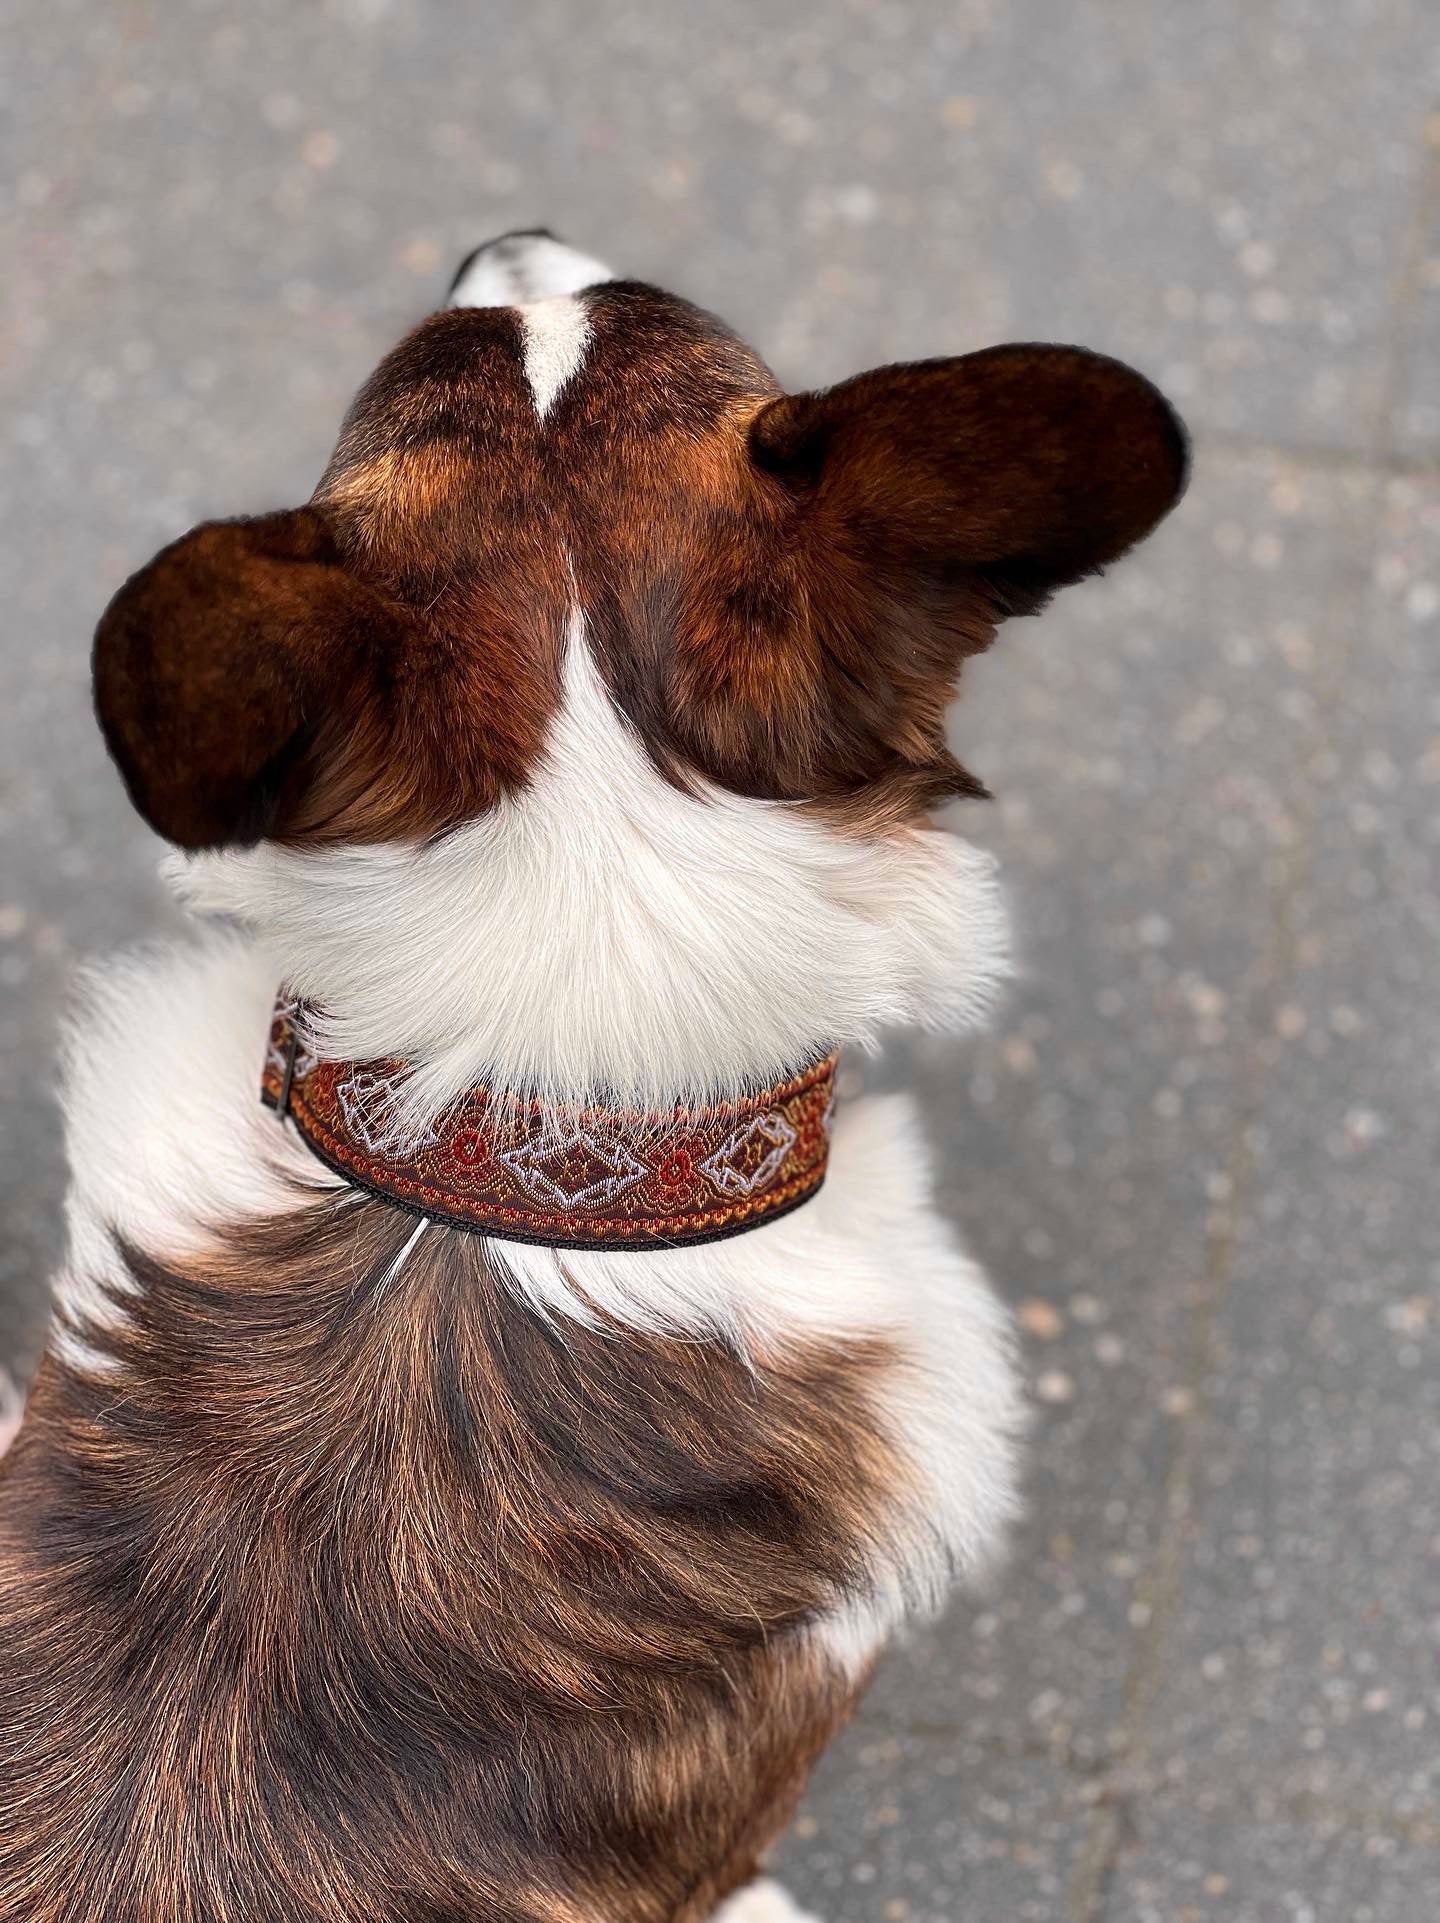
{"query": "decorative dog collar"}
{"type": "Point", "coordinates": [590, 1176]}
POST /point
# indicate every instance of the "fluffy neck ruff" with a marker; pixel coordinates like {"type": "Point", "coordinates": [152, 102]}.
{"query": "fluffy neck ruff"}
{"type": "Point", "coordinates": [604, 930]}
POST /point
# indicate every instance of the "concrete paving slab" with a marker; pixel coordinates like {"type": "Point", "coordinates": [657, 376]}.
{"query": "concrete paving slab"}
{"type": "Point", "coordinates": [1143, 741]}
{"type": "Point", "coordinates": [1220, 190]}
{"type": "Point", "coordinates": [977, 1836]}
{"type": "Point", "coordinates": [1208, 1864]}
{"type": "Point", "coordinates": [1216, 777]}
{"type": "Point", "coordinates": [1308, 1635]}
{"type": "Point", "coordinates": [1414, 430]}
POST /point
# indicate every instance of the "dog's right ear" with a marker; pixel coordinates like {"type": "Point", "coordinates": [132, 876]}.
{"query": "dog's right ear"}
{"type": "Point", "coordinates": [215, 666]}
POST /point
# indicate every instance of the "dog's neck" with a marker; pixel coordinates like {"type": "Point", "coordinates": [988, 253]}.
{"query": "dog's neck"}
{"type": "Point", "coordinates": [606, 930]}
{"type": "Point", "coordinates": [599, 1177]}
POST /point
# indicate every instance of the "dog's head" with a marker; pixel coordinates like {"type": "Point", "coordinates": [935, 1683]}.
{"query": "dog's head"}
{"type": "Point", "coordinates": [779, 590]}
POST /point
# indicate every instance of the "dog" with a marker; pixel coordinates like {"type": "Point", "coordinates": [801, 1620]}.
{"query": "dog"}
{"type": "Point", "coordinates": [476, 1480]}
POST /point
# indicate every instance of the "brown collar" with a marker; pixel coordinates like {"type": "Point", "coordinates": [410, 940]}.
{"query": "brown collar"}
{"type": "Point", "coordinates": [593, 1176]}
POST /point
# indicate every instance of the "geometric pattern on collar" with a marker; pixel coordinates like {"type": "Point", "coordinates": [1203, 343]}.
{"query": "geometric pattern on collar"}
{"type": "Point", "coordinates": [585, 1176]}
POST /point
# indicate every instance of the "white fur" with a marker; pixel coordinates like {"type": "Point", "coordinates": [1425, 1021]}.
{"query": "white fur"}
{"type": "Point", "coordinates": [557, 332]}
{"type": "Point", "coordinates": [540, 277]}
{"type": "Point", "coordinates": [164, 1130]}
{"type": "Point", "coordinates": [763, 1902]}
{"type": "Point", "coordinates": [868, 1256]}
{"type": "Point", "coordinates": [601, 929]}
{"type": "Point", "coordinates": [168, 1139]}
{"type": "Point", "coordinates": [12, 1407]}
{"type": "Point", "coordinates": [520, 268]}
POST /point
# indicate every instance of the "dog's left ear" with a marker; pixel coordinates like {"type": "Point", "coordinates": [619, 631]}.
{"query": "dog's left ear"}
{"type": "Point", "coordinates": [217, 667]}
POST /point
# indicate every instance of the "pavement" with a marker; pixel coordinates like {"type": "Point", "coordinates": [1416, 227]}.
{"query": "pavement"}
{"type": "Point", "coordinates": [1199, 1150]}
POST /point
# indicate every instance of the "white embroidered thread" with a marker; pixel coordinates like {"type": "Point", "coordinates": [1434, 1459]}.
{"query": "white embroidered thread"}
{"type": "Point", "coordinates": [726, 1167]}
{"type": "Point", "coordinates": [618, 1169]}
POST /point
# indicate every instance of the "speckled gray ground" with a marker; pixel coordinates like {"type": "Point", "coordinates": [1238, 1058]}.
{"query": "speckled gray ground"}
{"type": "Point", "coordinates": [1199, 1152]}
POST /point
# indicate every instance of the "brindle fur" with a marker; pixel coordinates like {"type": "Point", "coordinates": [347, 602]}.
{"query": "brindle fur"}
{"type": "Point", "coordinates": [349, 1598]}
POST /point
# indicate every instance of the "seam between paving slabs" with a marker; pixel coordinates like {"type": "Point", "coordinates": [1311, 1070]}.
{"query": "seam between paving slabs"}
{"type": "Point", "coordinates": [1122, 1789]}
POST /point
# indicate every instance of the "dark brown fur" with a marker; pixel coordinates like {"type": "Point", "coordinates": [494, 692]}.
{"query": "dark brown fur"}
{"type": "Point", "coordinates": [354, 1600]}
{"type": "Point", "coordinates": [781, 589]}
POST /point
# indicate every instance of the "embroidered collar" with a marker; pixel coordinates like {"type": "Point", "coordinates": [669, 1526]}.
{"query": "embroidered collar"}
{"type": "Point", "coordinates": [583, 1177]}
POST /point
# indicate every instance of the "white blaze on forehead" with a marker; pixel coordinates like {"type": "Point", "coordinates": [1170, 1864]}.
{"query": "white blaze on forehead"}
{"type": "Point", "coordinates": [540, 277]}
{"type": "Point", "coordinates": [556, 333]}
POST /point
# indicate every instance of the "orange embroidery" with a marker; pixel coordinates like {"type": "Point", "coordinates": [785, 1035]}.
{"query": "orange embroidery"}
{"type": "Point", "coordinates": [588, 1176]}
